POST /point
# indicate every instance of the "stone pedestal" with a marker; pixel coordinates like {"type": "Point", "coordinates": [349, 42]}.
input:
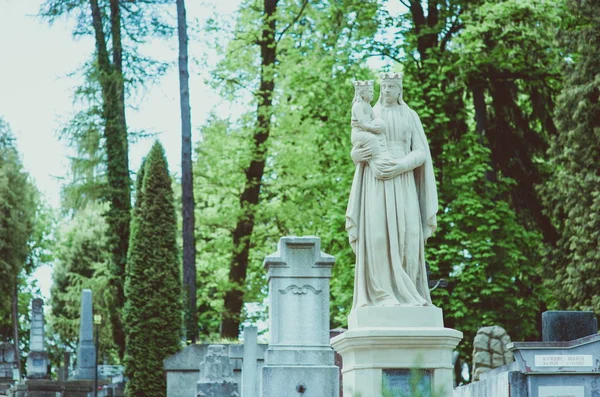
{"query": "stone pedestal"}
{"type": "Point", "coordinates": [391, 345]}
{"type": "Point", "coordinates": [299, 360]}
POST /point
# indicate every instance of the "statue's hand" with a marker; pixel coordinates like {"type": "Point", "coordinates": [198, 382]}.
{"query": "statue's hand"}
{"type": "Point", "coordinates": [361, 153]}
{"type": "Point", "coordinates": [392, 168]}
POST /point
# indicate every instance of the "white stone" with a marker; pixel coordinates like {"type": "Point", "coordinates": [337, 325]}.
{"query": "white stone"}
{"type": "Point", "coordinates": [299, 358]}
{"type": "Point", "coordinates": [393, 201]}
{"type": "Point", "coordinates": [37, 359]}
{"type": "Point", "coordinates": [249, 376]}
{"type": "Point", "coordinates": [367, 351]}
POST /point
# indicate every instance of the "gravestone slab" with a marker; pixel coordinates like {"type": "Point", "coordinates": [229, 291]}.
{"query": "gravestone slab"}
{"type": "Point", "coordinates": [86, 351]}
{"type": "Point", "coordinates": [299, 360]}
{"type": "Point", "coordinates": [560, 326]}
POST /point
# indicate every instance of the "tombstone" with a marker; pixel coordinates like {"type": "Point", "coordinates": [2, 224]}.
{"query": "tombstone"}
{"type": "Point", "coordinates": [549, 368]}
{"type": "Point", "coordinates": [299, 360]}
{"type": "Point", "coordinates": [182, 369]}
{"type": "Point", "coordinates": [8, 366]}
{"type": "Point", "coordinates": [216, 375]}
{"type": "Point", "coordinates": [86, 351]}
{"type": "Point", "coordinates": [37, 359]}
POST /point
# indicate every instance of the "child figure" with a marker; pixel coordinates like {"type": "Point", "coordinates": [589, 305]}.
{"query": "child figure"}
{"type": "Point", "coordinates": [366, 130]}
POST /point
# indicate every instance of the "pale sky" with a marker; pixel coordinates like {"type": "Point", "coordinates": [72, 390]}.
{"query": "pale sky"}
{"type": "Point", "coordinates": [36, 93]}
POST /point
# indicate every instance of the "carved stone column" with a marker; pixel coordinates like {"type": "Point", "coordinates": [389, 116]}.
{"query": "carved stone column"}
{"type": "Point", "coordinates": [299, 360]}
{"type": "Point", "coordinates": [37, 360]}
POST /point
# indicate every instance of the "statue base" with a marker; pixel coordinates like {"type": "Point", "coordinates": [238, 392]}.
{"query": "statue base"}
{"type": "Point", "coordinates": [397, 349]}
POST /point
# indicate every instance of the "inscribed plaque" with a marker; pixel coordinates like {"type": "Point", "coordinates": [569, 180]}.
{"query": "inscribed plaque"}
{"type": "Point", "coordinates": [562, 360]}
{"type": "Point", "coordinates": [402, 382]}
{"type": "Point", "coordinates": [561, 391]}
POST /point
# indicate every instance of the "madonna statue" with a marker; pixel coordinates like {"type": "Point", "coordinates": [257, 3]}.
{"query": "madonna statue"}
{"type": "Point", "coordinates": [392, 209]}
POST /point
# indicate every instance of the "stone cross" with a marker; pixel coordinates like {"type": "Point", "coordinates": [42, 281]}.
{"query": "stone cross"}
{"type": "Point", "coordinates": [37, 360]}
{"type": "Point", "coordinates": [86, 351]}
{"type": "Point", "coordinates": [216, 374]}
{"type": "Point", "coordinates": [299, 358]}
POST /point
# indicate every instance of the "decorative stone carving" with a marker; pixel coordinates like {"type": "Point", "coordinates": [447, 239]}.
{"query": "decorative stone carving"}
{"type": "Point", "coordinates": [299, 359]}
{"type": "Point", "coordinates": [37, 359]}
{"type": "Point", "coordinates": [489, 350]}
{"type": "Point", "coordinates": [300, 290]}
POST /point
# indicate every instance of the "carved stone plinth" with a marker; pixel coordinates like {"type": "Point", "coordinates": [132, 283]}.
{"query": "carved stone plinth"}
{"type": "Point", "coordinates": [299, 360]}
{"type": "Point", "coordinates": [386, 345]}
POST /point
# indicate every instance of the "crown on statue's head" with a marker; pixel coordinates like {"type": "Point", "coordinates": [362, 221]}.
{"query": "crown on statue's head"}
{"type": "Point", "coordinates": [393, 77]}
{"type": "Point", "coordinates": [362, 83]}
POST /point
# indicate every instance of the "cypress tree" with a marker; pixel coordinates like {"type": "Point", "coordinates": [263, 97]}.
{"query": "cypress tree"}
{"type": "Point", "coordinates": [152, 313]}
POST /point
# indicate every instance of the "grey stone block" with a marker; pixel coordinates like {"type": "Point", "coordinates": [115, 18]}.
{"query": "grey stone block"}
{"type": "Point", "coordinates": [562, 326]}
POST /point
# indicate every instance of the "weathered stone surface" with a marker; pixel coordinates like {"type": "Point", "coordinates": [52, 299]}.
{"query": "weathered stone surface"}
{"type": "Point", "coordinates": [299, 353]}
{"type": "Point", "coordinates": [183, 371]}
{"type": "Point", "coordinates": [562, 326]}
{"type": "Point", "coordinates": [37, 359]}
{"type": "Point", "coordinates": [86, 351]}
{"type": "Point", "coordinates": [249, 370]}
{"type": "Point", "coordinates": [489, 350]}
{"type": "Point", "coordinates": [216, 374]}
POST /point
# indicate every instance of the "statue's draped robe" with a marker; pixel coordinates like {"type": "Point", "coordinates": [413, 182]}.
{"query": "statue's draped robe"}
{"type": "Point", "coordinates": [388, 221]}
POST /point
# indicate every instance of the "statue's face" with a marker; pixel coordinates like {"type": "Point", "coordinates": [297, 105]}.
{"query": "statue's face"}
{"type": "Point", "coordinates": [391, 92]}
{"type": "Point", "coordinates": [368, 94]}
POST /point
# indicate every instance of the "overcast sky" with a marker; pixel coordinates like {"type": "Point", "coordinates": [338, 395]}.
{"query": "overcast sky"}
{"type": "Point", "coordinates": [36, 93]}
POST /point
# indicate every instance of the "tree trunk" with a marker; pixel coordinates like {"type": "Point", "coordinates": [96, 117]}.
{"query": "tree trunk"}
{"type": "Point", "coordinates": [187, 187]}
{"type": "Point", "coordinates": [250, 196]}
{"type": "Point", "coordinates": [115, 134]}
{"type": "Point", "coordinates": [15, 323]}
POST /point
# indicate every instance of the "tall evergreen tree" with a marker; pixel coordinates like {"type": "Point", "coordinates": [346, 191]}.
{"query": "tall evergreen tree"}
{"type": "Point", "coordinates": [18, 205]}
{"type": "Point", "coordinates": [152, 313]}
{"type": "Point", "coordinates": [572, 195]}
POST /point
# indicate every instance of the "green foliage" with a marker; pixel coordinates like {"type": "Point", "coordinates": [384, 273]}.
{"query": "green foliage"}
{"type": "Point", "coordinates": [153, 311]}
{"type": "Point", "coordinates": [18, 205]}
{"type": "Point", "coordinates": [308, 169]}
{"type": "Point", "coordinates": [572, 196]}
{"type": "Point", "coordinates": [81, 261]}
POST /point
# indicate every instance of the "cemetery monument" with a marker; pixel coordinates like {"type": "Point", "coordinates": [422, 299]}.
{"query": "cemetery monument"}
{"type": "Point", "coordinates": [393, 328]}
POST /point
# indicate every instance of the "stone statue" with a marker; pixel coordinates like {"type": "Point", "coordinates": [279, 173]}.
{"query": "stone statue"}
{"type": "Point", "coordinates": [393, 202]}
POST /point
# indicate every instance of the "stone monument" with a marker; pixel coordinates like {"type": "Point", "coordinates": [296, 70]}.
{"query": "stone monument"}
{"type": "Point", "coordinates": [8, 366]}
{"type": "Point", "coordinates": [394, 331]}
{"type": "Point", "coordinates": [86, 351]}
{"type": "Point", "coordinates": [37, 359]}
{"type": "Point", "coordinates": [299, 360]}
{"type": "Point", "coordinates": [216, 375]}
{"type": "Point", "coordinates": [490, 351]}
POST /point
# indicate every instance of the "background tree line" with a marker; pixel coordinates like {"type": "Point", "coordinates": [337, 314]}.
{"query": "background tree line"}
{"type": "Point", "coordinates": [507, 92]}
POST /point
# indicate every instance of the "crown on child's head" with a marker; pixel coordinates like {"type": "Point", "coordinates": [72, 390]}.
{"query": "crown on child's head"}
{"type": "Point", "coordinates": [393, 77]}
{"type": "Point", "coordinates": [362, 83]}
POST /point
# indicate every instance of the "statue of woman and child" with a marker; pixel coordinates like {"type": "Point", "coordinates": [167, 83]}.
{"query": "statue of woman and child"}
{"type": "Point", "coordinates": [393, 202]}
